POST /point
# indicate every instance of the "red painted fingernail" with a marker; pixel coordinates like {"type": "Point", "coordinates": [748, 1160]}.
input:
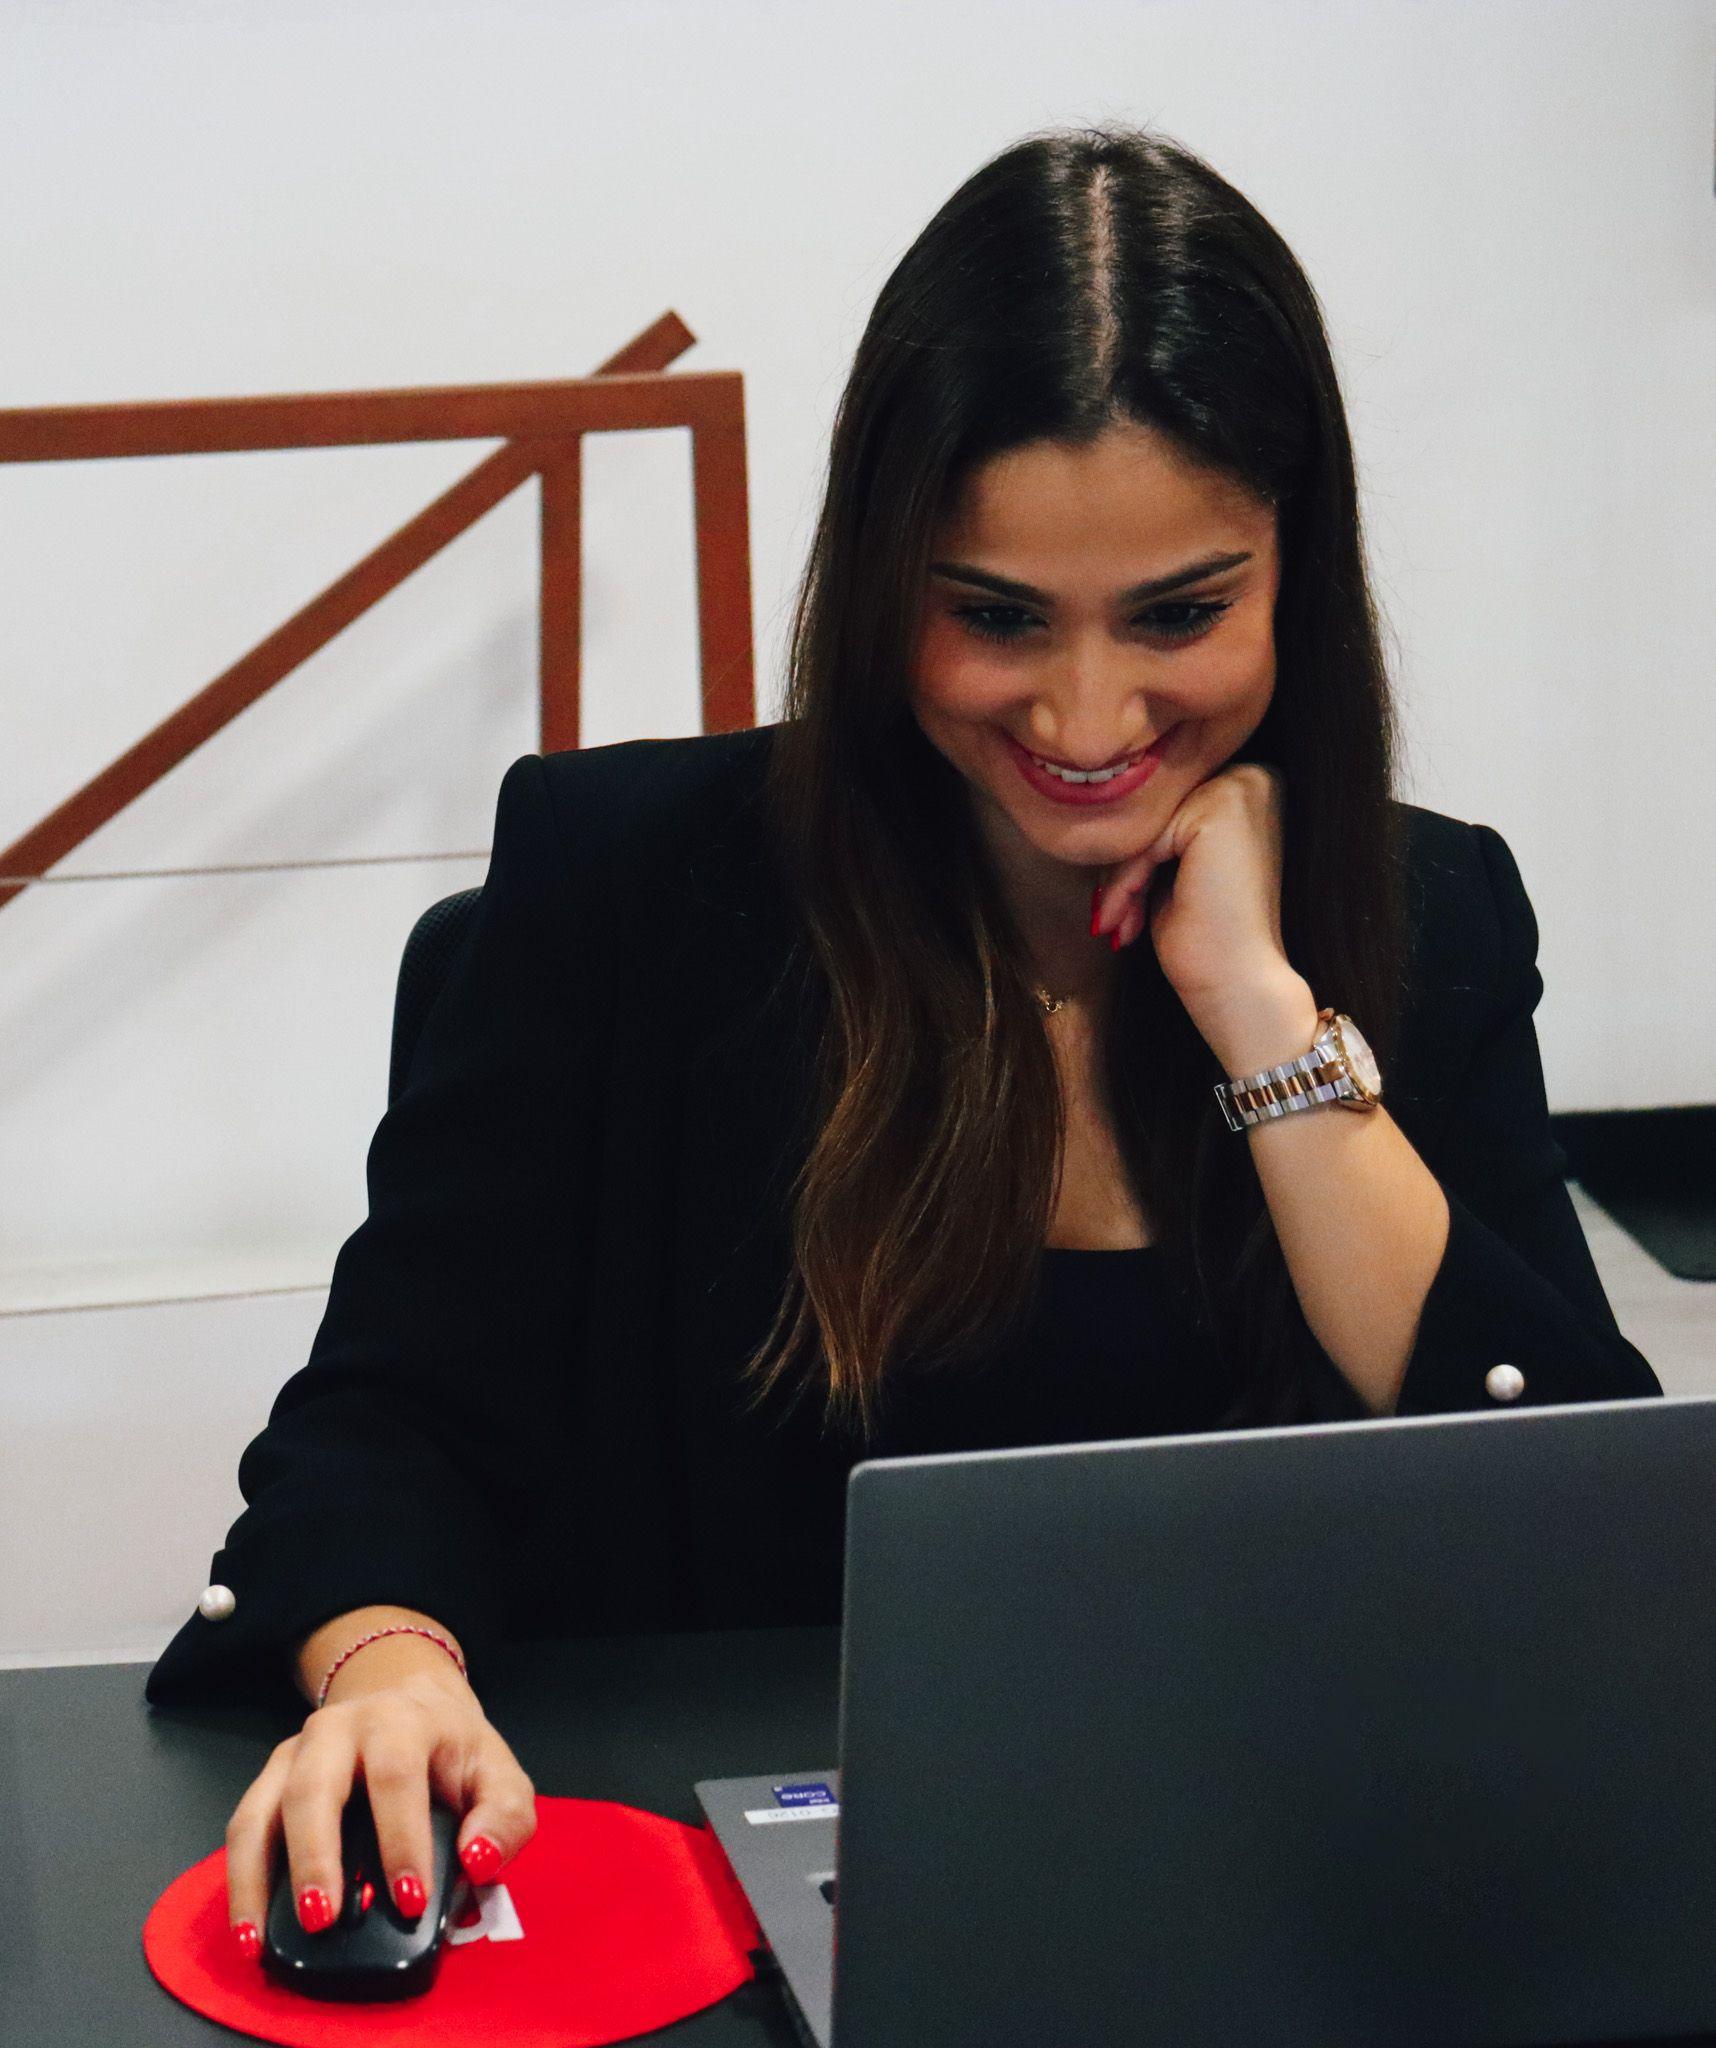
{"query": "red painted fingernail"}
{"type": "Point", "coordinates": [409, 1895]}
{"type": "Point", "coordinates": [247, 1941]}
{"type": "Point", "coordinates": [1114, 940]}
{"type": "Point", "coordinates": [481, 1859]}
{"type": "Point", "coordinates": [315, 1909]}
{"type": "Point", "coordinates": [1095, 908]}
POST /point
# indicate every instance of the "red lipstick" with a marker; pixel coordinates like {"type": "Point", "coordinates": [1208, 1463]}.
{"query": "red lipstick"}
{"type": "Point", "coordinates": [1085, 795]}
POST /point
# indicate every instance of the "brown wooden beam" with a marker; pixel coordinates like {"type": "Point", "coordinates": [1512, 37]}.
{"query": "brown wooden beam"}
{"type": "Point", "coordinates": [560, 609]}
{"type": "Point", "coordinates": [216, 705]}
{"type": "Point", "coordinates": [352, 419]}
{"type": "Point", "coordinates": [721, 498]}
{"type": "Point", "coordinates": [346, 599]}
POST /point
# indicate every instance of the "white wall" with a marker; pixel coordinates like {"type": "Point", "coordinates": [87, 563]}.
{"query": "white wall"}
{"type": "Point", "coordinates": [1506, 210]}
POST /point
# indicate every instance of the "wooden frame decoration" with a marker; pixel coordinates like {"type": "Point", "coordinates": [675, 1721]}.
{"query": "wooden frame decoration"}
{"type": "Point", "coordinates": [542, 427]}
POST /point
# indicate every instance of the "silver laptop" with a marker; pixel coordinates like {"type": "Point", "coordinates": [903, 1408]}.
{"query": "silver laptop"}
{"type": "Point", "coordinates": [1364, 1735]}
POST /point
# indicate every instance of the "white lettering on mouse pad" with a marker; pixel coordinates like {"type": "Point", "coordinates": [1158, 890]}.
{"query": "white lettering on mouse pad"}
{"type": "Point", "coordinates": [495, 1917]}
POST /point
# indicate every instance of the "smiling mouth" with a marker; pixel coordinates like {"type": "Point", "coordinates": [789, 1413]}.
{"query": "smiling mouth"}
{"type": "Point", "coordinates": [1063, 771]}
{"type": "Point", "coordinates": [1088, 788]}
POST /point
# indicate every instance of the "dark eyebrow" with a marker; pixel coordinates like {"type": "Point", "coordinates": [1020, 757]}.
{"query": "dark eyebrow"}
{"type": "Point", "coordinates": [1157, 586]}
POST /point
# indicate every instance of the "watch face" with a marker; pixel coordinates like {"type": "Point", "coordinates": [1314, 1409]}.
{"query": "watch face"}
{"type": "Point", "coordinates": [1359, 1055]}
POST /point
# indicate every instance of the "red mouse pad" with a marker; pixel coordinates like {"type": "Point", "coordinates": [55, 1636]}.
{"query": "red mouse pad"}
{"type": "Point", "coordinates": [611, 1923]}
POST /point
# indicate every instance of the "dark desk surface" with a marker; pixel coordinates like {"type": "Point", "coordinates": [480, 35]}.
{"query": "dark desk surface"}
{"type": "Point", "coordinates": [103, 1803]}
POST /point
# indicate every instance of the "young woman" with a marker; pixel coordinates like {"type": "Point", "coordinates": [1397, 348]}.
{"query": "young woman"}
{"type": "Point", "coordinates": [895, 1078]}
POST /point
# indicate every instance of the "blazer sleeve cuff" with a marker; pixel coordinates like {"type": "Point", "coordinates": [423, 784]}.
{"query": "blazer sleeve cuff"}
{"type": "Point", "coordinates": [293, 1573]}
{"type": "Point", "coordinates": [1487, 1307]}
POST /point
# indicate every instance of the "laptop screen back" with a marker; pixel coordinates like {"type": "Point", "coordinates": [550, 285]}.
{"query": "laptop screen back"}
{"type": "Point", "coordinates": [1358, 1736]}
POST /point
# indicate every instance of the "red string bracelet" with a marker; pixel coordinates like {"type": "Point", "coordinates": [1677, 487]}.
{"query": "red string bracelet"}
{"type": "Point", "coordinates": [399, 1628]}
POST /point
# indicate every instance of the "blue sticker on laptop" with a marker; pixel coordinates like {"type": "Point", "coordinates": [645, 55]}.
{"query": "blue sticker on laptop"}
{"type": "Point", "coordinates": [804, 1795]}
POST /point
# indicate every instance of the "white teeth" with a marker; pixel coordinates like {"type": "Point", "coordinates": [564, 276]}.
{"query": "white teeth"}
{"type": "Point", "coordinates": [1083, 774]}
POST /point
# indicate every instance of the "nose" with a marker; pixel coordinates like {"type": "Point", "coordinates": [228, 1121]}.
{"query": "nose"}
{"type": "Point", "coordinates": [1093, 711]}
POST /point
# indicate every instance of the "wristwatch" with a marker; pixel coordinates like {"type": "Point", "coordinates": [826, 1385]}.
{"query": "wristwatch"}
{"type": "Point", "coordinates": [1340, 1067]}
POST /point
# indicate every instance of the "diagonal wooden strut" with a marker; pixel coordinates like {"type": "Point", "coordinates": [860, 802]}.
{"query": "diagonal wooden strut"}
{"type": "Point", "coordinates": [544, 421]}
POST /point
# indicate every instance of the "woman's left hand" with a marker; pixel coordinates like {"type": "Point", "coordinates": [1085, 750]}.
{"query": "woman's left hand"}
{"type": "Point", "coordinates": [1215, 920]}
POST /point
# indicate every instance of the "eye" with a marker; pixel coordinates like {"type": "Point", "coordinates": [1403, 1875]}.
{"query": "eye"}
{"type": "Point", "coordinates": [1006, 622]}
{"type": "Point", "coordinates": [1200, 615]}
{"type": "Point", "coordinates": [994, 621]}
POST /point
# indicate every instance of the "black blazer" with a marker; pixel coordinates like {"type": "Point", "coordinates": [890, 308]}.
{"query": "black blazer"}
{"type": "Point", "coordinates": [521, 1410]}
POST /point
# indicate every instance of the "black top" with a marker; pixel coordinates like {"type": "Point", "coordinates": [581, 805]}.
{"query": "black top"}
{"type": "Point", "coordinates": [1107, 1351]}
{"type": "Point", "coordinates": [523, 1411]}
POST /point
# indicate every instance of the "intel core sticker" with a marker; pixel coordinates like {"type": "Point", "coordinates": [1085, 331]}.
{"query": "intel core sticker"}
{"type": "Point", "coordinates": [803, 1795]}
{"type": "Point", "coordinates": [796, 1802]}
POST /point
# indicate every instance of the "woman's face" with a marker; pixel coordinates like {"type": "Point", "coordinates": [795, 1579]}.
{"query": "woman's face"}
{"type": "Point", "coordinates": [1034, 639]}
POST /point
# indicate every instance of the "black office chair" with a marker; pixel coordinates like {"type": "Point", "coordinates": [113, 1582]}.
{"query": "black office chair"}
{"type": "Point", "coordinates": [429, 950]}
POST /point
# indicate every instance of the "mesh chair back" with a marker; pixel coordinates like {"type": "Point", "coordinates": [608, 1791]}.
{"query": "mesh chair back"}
{"type": "Point", "coordinates": [429, 950]}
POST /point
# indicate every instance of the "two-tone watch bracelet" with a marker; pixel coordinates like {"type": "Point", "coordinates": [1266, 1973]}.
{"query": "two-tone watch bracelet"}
{"type": "Point", "coordinates": [1314, 1078]}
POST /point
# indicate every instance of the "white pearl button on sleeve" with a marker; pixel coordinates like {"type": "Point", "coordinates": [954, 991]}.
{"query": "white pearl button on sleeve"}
{"type": "Point", "coordinates": [217, 1603]}
{"type": "Point", "coordinates": [1504, 1382]}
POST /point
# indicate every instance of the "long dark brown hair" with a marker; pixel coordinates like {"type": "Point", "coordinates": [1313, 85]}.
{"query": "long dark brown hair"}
{"type": "Point", "coordinates": [1079, 278]}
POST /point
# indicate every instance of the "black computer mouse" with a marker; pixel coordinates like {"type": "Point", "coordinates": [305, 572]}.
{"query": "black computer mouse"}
{"type": "Point", "coordinates": [371, 1951]}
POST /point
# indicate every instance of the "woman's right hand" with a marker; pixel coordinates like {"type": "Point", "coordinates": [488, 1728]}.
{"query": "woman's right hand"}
{"type": "Point", "coordinates": [401, 1718]}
